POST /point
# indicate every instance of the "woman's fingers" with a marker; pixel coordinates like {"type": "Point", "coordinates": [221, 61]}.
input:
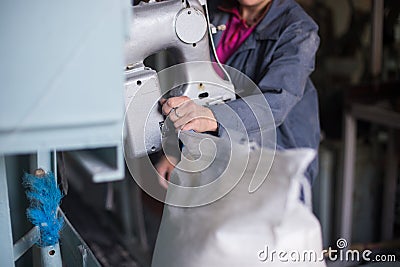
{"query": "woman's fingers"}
{"type": "Point", "coordinates": [187, 115]}
{"type": "Point", "coordinates": [164, 168]}
{"type": "Point", "coordinates": [173, 102]}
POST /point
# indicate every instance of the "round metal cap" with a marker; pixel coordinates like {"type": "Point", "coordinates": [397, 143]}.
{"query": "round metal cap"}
{"type": "Point", "coordinates": [190, 25]}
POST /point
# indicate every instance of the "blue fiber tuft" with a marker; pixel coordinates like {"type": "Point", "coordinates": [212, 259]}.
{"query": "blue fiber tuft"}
{"type": "Point", "coordinates": [44, 197]}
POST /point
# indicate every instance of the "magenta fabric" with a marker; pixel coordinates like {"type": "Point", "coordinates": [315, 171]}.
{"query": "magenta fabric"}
{"type": "Point", "coordinates": [235, 34]}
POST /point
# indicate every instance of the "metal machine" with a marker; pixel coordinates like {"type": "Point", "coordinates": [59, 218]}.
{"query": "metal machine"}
{"type": "Point", "coordinates": [64, 92]}
{"type": "Point", "coordinates": [183, 28]}
{"type": "Point", "coordinates": [60, 92]}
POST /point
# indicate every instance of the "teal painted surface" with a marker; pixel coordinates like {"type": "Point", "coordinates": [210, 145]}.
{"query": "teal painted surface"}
{"type": "Point", "coordinates": [61, 73]}
{"type": "Point", "coordinates": [6, 244]}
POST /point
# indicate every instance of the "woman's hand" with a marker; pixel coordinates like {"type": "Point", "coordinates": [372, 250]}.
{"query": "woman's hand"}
{"type": "Point", "coordinates": [164, 167]}
{"type": "Point", "coordinates": [187, 115]}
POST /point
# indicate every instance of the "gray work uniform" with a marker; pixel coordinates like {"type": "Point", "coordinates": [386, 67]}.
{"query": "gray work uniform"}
{"type": "Point", "coordinates": [279, 57]}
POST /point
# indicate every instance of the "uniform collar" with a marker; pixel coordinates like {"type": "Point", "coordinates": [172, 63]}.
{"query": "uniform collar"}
{"type": "Point", "coordinates": [234, 11]}
{"type": "Point", "coordinates": [270, 26]}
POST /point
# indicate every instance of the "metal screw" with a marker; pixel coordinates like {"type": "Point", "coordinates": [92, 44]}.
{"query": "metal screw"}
{"type": "Point", "coordinates": [39, 173]}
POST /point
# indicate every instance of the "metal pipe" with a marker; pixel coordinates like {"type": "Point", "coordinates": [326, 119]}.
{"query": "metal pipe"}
{"type": "Point", "coordinates": [350, 144]}
{"type": "Point", "coordinates": [26, 242]}
{"type": "Point", "coordinates": [377, 38]}
{"type": "Point", "coordinates": [6, 244]}
{"type": "Point", "coordinates": [389, 189]}
{"type": "Point", "coordinates": [50, 256]}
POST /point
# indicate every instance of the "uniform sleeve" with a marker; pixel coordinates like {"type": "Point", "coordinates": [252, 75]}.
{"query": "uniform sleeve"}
{"type": "Point", "coordinates": [282, 81]}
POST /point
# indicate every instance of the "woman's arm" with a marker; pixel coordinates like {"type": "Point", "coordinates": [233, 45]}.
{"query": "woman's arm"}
{"type": "Point", "coordinates": [282, 81]}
